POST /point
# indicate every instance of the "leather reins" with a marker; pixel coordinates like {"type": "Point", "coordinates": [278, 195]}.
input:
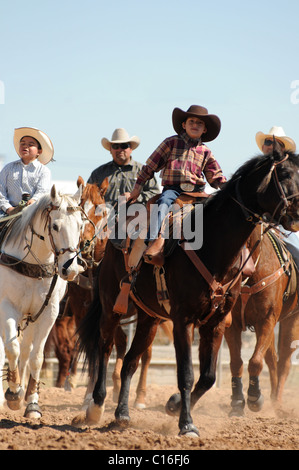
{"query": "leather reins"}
{"type": "Point", "coordinates": [32, 318]}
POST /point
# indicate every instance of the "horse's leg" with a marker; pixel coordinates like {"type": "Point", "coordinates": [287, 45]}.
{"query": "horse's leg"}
{"type": "Point", "coordinates": [95, 409]}
{"type": "Point", "coordinates": [288, 342]}
{"type": "Point", "coordinates": [144, 336]}
{"type": "Point", "coordinates": [141, 387]}
{"type": "Point", "coordinates": [264, 335]}
{"type": "Point", "coordinates": [71, 379]}
{"type": "Point", "coordinates": [34, 339]}
{"type": "Point", "coordinates": [167, 327]}
{"type": "Point", "coordinates": [210, 341]}
{"type": "Point", "coordinates": [33, 347]}
{"type": "Point", "coordinates": [233, 336]}
{"type": "Point", "coordinates": [120, 340]}
{"type": "Point", "coordinates": [64, 345]}
{"type": "Point", "coordinates": [80, 419]}
{"type": "Point", "coordinates": [2, 363]}
{"type": "Point", "coordinates": [14, 393]}
{"type": "Point", "coordinates": [183, 337]}
{"type": "Point", "coordinates": [271, 361]}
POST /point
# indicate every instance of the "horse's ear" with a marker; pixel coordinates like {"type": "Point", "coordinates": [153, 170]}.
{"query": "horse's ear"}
{"type": "Point", "coordinates": [104, 187]}
{"type": "Point", "coordinates": [77, 196]}
{"type": "Point", "coordinates": [278, 152]}
{"type": "Point", "coordinates": [80, 181]}
{"type": "Point", "coordinates": [55, 196]}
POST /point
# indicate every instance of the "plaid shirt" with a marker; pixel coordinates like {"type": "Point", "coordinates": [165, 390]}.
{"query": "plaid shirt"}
{"type": "Point", "coordinates": [121, 179]}
{"type": "Point", "coordinates": [182, 160]}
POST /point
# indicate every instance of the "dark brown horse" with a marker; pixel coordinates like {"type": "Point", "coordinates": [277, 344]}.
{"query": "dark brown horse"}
{"type": "Point", "coordinates": [268, 296]}
{"type": "Point", "coordinates": [265, 186]}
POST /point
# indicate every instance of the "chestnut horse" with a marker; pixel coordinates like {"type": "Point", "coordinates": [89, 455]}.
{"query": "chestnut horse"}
{"type": "Point", "coordinates": [268, 296]}
{"type": "Point", "coordinates": [79, 297]}
{"type": "Point", "coordinates": [79, 294]}
{"type": "Point", "coordinates": [203, 285]}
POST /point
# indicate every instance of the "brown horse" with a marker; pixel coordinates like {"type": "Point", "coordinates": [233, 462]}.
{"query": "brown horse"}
{"type": "Point", "coordinates": [79, 297]}
{"type": "Point", "coordinates": [75, 304]}
{"type": "Point", "coordinates": [203, 285]}
{"type": "Point", "coordinates": [268, 296]}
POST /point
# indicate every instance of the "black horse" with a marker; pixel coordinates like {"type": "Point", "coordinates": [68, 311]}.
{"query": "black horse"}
{"type": "Point", "coordinates": [203, 285]}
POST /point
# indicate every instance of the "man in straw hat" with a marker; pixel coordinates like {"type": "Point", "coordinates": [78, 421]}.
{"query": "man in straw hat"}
{"type": "Point", "coordinates": [184, 160]}
{"type": "Point", "coordinates": [265, 141]}
{"type": "Point", "coordinates": [265, 144]}
{"type": "Point", "coordinates": [122, 170]}
{"type": "Point", "coordinates": [29, 174]}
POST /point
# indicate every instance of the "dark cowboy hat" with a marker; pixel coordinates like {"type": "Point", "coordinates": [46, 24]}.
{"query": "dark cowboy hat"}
{"type": "Point", "coordinates": [212, 122]}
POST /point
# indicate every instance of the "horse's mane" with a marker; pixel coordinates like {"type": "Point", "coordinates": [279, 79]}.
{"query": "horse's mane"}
{"type": "Point", "coordinates": [16, 231]}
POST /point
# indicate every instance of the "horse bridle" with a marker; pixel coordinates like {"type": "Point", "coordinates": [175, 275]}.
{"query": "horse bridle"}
{"type": "Point", "coordinates": [284, 200]}
{"type": "Point", "coordinates": [30, 318]}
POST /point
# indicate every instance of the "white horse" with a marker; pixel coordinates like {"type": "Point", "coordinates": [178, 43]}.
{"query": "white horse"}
{"type": "Point", "coordinates": [36, 261]}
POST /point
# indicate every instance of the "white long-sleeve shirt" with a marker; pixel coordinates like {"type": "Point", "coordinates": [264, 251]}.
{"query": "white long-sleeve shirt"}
{"type": "Point", "coordinates": [17, 179]}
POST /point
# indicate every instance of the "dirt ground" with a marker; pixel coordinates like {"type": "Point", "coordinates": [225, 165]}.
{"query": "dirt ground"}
{"type": "Point", "coordinates": [152, 428]}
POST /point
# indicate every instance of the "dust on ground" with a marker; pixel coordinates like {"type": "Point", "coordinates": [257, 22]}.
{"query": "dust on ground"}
{"type": "Point", "coordinates": [152, 428]}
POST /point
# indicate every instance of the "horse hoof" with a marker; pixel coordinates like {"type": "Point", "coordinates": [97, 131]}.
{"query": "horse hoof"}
{"type": "Point", "coordinates": [14, 399]}
{"type": "Point", "coordinates": [189, 430]}
{"type": "Point", "coordinates": [33, 411]}
{"type": "Point", "coordinates": [139, 406]}
{"type": "Point", "coordinates": [236, 412]}
{"type": "Point", "coordinates": [255, 403]}
{"type": "Point", "coordinates": [94, 414]}
{"type": "Point", "coordinates": [122, 419]}
{"type": "Point", "coordinates": [173, 406]}
{"type": "Point", "coordinates": [80, 419]}
{"type": "Point", "coordinates": [237, 408]}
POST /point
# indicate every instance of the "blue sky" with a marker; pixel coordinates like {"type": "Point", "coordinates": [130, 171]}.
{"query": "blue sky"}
{"type": "Point", "coordinates": [78, 70]}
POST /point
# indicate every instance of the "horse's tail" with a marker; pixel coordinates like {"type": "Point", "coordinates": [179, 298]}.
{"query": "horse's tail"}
{"type": "Point", "coordinates": [89, 332]}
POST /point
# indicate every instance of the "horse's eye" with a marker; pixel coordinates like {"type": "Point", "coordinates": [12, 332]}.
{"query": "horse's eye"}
{"type": "Point", "coordinates": [55, 227]}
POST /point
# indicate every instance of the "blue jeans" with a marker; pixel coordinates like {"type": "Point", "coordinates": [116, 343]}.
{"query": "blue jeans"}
{"type": "Point", "coordinates": [292, 244]}
{"type": "Point", "coordinates": [167, 198]}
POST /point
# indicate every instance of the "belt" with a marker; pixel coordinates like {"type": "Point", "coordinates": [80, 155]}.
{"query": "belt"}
{"type": "Point", "coordinates": [190, 187]}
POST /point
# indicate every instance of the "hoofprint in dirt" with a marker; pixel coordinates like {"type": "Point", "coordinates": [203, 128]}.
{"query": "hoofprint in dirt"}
{"type": "Point", "coordinates": [152, 428]}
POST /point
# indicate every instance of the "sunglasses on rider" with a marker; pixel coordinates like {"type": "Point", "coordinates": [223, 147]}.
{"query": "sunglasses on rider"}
{"type": "Point", "coordinates": [269, 142]}
{"type": "Point", "coordinates": [122, 146]}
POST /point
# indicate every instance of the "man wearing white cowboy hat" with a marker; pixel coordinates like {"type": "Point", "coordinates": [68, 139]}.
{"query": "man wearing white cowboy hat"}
{"type": "Point", "coordinates": [122, 170]}
{"type": "Point", "coordinates": [265, 141]}
{"type": "Point", "coordinates": [265, 144]}
{"type": "Point", "coordinates": [28, 174]}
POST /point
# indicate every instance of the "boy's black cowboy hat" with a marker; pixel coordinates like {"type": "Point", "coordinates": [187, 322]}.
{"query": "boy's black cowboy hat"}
{"type": "Point", "coordinates": [212, 122]}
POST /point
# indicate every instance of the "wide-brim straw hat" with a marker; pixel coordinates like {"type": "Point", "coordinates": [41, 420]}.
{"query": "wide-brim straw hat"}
{"type": "Point", "coordinates": [47, 147]}
{"type": "Point", "coordinates": [279, 134]}
{"type": "Point", "coordinates": [120, 136]}
{"type": "Point", "coordinates": [212, 122]}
